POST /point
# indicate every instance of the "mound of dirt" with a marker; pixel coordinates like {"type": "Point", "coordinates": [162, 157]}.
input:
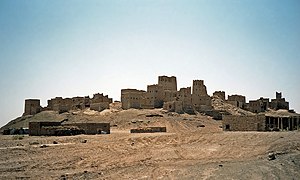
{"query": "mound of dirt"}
{"type": "Point", "coordinates": [219, 104]}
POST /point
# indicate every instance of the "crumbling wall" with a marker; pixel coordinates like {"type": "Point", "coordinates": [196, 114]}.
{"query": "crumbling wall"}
{"type": "Point", "coordinates": [244, 123]}
{"type": "Point", "coordinates": [149, 130]}
{"type": "Point", "coordinates": [257, 106]}
{"type": "Point", "coordinates": [99, 102]}
{"type": "Point", "coordinates": [174, 106]}
{"type": "Point", "coordinates": [237, 100]}
{"type": "Point", "coordinates": [220, 94]}
{"type": "Point", "coordinates": [97, 98]}
{"type": "Point", "coordinates": [279, 102]}
{"type": "Point", "coordinates": [99, 106]}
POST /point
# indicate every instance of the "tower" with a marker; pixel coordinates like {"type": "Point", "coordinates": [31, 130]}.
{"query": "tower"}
{"type": "Point", "coordinates": [32, 107]}
{"type": "Point", "coordinates": [168, 83]}
{"type": "Point", "coordinates": [199, 88]}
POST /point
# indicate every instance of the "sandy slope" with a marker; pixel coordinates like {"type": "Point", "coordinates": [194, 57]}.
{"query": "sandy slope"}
{"type": "Point", "coordinates": [186, 151]}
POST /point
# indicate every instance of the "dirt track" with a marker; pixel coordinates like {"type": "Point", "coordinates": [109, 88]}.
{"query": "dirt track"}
{"type": "Point", "coordinates": [184, 152]}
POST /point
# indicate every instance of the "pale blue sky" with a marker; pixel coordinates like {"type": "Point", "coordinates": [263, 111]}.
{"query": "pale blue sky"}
{"type": "Point", "coordinates": [76, 48]}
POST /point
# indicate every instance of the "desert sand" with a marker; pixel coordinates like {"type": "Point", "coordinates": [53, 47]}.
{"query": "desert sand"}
{"type": "Point", "coordinates": [186, 151]}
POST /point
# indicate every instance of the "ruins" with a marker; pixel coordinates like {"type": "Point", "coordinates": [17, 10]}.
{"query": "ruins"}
{"type": "Point", "coordinates": [58, 128]}
{"type": "Point", "coordinates": [270, 115]}
{"type": "Point", "coordinates": [32, 106]}
{"type": "Point", "coordinates": [149, 130]}
{"type": "Point", "coordinates": [281, 120]}
{"type": "Point", "coordinates": [237, 100]}
{"type": "Point", "coordinates": [99, 102]}
{"type": "Point", "coordinates": [165, 95]}
{"type": "Point", "coordinates": [256, 106]}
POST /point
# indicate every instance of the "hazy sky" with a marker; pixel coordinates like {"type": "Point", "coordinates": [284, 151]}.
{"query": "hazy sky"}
{"type": "Point", "coordinates": [75, 48]}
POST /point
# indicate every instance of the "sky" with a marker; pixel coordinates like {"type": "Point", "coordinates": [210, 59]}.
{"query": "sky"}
{"type": "Point", "coordinates": [68, 48]}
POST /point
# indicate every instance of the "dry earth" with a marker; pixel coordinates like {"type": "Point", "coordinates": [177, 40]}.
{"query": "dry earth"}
{"type": "Point", "coordinates": [186, 151]}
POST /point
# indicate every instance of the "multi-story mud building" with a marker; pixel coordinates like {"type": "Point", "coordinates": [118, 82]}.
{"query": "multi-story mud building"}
{"type": "Point", "coordinates": [165, 94]}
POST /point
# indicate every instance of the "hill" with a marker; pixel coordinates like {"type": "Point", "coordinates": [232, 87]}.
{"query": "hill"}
{"type": "Point", "coordinates": [194, 147]}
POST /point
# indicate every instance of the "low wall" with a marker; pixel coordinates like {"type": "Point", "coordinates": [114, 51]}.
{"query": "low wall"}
{"type": "Point", "coordinates": [149, 130]}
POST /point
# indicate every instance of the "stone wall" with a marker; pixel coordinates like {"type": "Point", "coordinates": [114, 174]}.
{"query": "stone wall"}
{"type": "Point", "coordinates": [244, 123]}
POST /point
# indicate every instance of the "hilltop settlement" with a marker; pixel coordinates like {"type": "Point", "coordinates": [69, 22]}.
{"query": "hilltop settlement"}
{"type": "Point", "coordinates": [262, 114]}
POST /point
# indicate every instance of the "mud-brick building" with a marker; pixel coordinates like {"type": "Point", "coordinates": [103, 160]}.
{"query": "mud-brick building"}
{"type": "Point", "coordinates": [243, 123]}
{"type": "Point", "coordinates": [165, 94]}
{"type": "Point", "coordinates": [279, 102]}
{"type": "Point", "coordinates": [57, 128]}
{"type": "Point", "coordinates": [32, 107]}
{"type": "Point", "coordinates": [99, 102]}
{"type": "Point", "coordinates": [168, 83]}
{"type": "Point", "coordinates": [281, 120]}
{"type": "Point", "coordinates": [201, 101]}
{"type": "Point", "coordinates": [153, 98]}
{"type": "Point", "coordinates": [132, 98]}
{"type": "Point", "coordinates": [41, 128]}
{"type": "Point", "coordinates": [257, 106]}
{"type": "Point", "coordinates": [237, 100]}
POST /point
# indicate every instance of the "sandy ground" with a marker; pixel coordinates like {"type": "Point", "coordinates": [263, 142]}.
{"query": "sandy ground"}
{"type": "Point", "coordinates": [186, 151]}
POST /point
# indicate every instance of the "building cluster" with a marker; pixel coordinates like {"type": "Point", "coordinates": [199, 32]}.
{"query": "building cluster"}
{"type": "Point", "coordinates": [99, 102]}
{"type": "Point", "coordinates": [271, 115]}
{"type": "Point", "coordinates": [165, 95]}
{"type": "Point", "coordinates": [255, 106]}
